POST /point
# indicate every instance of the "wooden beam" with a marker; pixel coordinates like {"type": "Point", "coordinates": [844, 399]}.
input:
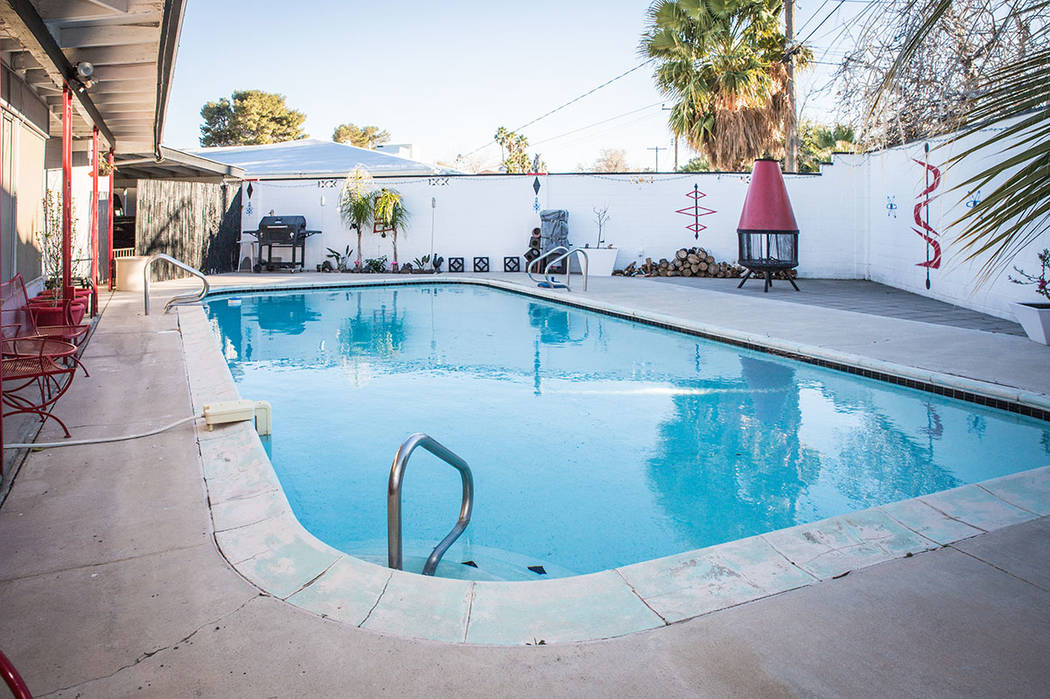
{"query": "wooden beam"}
{"type": "Point", "coordinates": [112, 5]}
{"type": "Point", "coordinates": [22, 60]}
{"type": "Point", "coordinates": [25, 24]}
{"type": "Point", "coordinates": [83, 9]}
{"type": "Point", "coordinates": [146, 17]}
{"type": "Point", "coordinates": [113, 110]}
{"type": "Point", "coordinates": [115, 55]}
{"type": "Point", "coordinates": [86, 36]}
{"type": "Point", "coordinates": [141, 71]}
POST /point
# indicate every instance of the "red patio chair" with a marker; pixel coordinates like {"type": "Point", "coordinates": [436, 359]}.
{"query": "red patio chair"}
{"type": "Point", "coordinates": [19, 320]}
{"type": "Point", "coordinates": [13, 680]}
{"type": "Point", "coordinates": [36, 363]}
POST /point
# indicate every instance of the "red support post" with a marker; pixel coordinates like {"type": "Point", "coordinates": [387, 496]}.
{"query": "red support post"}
{"type": "Point", "coordinates": [67, 193]}
{"type": "Point", "coordinates": [94, 207]}
{"type": "Point", "coordinates": [1, 275]}
{"type": "Point", "coordinates": [110, 266]}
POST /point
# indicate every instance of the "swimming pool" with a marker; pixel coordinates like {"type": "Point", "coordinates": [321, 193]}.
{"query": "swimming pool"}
{"type": "Point", "coordinates": [595, 442]}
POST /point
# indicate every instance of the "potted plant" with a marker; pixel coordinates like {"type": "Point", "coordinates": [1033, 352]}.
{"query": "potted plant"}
{"type": "Point", "coordinates": [1035, 317]}
{"type": "Point", "coordinates": [356, 204]}
{"type": "Point", "coordinates": [375, 265]}
{"type": "Point", "coordinates": [340, 260]}
{"type": "Point", "coordinates": [600, 260]}
{"type": "Point", "coordinates": [419, 265]}
{"type": "Point", "coordinates": [390, 216]}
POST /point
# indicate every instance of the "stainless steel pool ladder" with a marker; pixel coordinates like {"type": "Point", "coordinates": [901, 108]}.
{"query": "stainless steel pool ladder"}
{"type": "Point", "coordinates": [179, 299]}
{"type": "Point", "coordinates": [534, 263]}
{"type": "Point", "coordinates": [584, 263]}
{"type": "Point", "coordinates": [393, 500]}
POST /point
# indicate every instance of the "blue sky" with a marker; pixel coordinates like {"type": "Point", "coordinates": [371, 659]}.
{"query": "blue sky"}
{"type": "Point", "coordinates": [444, 76]}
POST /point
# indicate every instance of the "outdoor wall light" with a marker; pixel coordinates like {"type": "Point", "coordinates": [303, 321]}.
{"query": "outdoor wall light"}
{"type": "Point", "coordinates": [84, 72]}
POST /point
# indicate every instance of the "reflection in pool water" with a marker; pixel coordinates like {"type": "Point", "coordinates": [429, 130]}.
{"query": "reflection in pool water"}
{"type": "Point", "coordinates": [594, 441]}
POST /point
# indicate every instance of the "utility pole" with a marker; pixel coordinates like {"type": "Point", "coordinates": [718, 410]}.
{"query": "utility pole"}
{"type": "Point", "coordinates": [657, 149]}
{"type": "Point", "coordinates": [791, 127]}
{"type": "Point", "coordinates": [667, 109]}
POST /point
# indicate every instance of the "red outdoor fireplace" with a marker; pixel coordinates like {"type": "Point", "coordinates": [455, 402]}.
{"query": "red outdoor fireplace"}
{"type": "Point", "coordinates": [767, 232]}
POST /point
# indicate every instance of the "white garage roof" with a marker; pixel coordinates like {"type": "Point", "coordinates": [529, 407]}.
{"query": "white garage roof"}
{"type": "Point", "coordinates": [312, 157]}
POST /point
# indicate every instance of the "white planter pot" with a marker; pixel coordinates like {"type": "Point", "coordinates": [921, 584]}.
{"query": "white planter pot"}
{"type": "Point", "coordinates": [601, 261]}
{"type": "Point", "coordinates": [1035, 319]}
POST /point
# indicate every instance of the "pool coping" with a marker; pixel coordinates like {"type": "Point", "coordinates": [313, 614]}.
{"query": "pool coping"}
{"type": "Point", "coordinates": [259, 535]}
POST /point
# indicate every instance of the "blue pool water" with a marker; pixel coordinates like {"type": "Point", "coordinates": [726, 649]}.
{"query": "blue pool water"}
{"type": "Point", "coordinates": [595, 442]}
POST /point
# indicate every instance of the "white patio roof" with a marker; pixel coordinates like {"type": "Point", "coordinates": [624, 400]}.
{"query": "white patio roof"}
{"type": "Point", "coordinates": [312, 157]}
{"type": "Point", "coordinates": [131, 44]}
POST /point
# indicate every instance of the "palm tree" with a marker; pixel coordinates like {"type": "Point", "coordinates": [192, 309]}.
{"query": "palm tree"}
{"type": "Point", "coordinates": [818, 142]}
{"type": "Point", "coordinates": [1018, 209]}
{"type": "Point", "coordinates": [356, 204]}
{"type": "Point", "coordinates": [722, 61]}
{"type": "Point", "coordinates": [390, 212]}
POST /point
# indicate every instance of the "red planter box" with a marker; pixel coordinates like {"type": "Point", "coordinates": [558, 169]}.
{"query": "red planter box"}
{"type": "Point", "coordinates": [46, 314]}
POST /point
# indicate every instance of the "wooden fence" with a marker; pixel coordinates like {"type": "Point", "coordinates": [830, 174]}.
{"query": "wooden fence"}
{"type": "Point", "coordinates": [196, 222]}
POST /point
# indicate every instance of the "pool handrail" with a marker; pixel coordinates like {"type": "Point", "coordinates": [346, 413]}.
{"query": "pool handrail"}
{"type": "Point", "coordinates": [178, 299]}
{"type": "Point", "coordinates": [395, 558]}
{"type": "Point", "coordinates": [552, 251]}
{"type": "Point", "coordinates": [549, 276]}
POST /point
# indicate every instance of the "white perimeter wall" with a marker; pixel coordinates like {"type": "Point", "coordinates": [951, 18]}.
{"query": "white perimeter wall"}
{"type": "Point", "coordinates": [848, 228]}
{"type": "Point", "coordinates": [493, 216]}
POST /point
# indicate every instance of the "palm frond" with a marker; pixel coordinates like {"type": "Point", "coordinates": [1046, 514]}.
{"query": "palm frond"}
{"type": "Point", "coordinates": [1017, 210]}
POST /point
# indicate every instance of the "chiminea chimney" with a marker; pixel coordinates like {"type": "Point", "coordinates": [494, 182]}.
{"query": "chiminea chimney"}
{"type": "Point", "coordinates": [767, 232]}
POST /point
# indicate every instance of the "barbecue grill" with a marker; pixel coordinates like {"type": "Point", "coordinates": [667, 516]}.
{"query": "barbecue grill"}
{"type": "Point", "coordinates": [282, 231]}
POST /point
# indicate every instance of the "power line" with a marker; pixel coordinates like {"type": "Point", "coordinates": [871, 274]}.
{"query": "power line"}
{"type": "Point", "coordinates": [826, 18]}
{"type": "Point", "coordinates": [597, 123]}
{"type": "Point", "coordinates": [815, 13]}
{"type": "Point", "coordinates": [570, 102]}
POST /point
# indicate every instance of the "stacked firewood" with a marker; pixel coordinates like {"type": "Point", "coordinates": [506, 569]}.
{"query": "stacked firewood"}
{"type": "Point", "coordinates": [686, 262]}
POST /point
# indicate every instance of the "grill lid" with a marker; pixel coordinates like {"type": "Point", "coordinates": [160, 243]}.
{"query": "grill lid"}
{"type": "Point", "coordinates": [767, 207]}
{"type": "Point", "coordinates": [295, 223]}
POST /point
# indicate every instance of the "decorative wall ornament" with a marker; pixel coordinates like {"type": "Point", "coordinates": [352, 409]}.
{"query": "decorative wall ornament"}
{"type": "Point", "coordinates": [974, 199]}
{"type": "Point", "coordinates": [696, 211]}
{"type": "Point", "coordinates": [924, 230]}
{"type": "Point", "coordinates": [891, 206]}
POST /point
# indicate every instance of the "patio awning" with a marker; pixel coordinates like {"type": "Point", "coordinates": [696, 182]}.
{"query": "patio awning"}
{"type": "Point", "coordinates": [130, 44]}
{"type": "Point", "coordinates": [173, 165]}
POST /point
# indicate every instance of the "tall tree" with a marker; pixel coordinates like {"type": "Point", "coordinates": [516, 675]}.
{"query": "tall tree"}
{"type": "Point", "coordinates": [360, 136]}
{"type": "Point", "coordinates": [357, 205]}
{"type": "Point", "coordinates": [932, 91]}
{"type": "Point", "coordinates": [722, 62]}
{"type": "Point", "coordinates": [610, 160]}
{"type": "Point", "coordinates": [251, 117]}
{"type": "Point", "coordinates": [1017, 209]}
{"type": "Point", "coordinates": [697, 164]}
{"type": "Point", "coordinates": [514, 147]}
{"type": "Point", "coordinates": [817, 142]}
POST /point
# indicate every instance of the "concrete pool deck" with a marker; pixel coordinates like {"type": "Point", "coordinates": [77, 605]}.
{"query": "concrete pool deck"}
{"type": "Point", "coordinates": [112, 580]}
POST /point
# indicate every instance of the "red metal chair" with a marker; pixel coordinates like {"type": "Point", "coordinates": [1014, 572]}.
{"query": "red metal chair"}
{"type": "Point", "coordinates": [32, 366]}
{"type": "Point", "coordinates": [19, 319]}
{"type": "Point", "coordinates": [14, 681]}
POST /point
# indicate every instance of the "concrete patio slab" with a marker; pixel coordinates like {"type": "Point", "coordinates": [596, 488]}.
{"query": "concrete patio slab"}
{"type": "Point", "coordinates": [970, 618]}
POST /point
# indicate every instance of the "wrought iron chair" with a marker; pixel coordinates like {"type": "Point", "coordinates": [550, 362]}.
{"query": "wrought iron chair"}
{"type": "Point", "coordinates": [45, 364]}
{"type": "Point", "coordinates": [19, 318]}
